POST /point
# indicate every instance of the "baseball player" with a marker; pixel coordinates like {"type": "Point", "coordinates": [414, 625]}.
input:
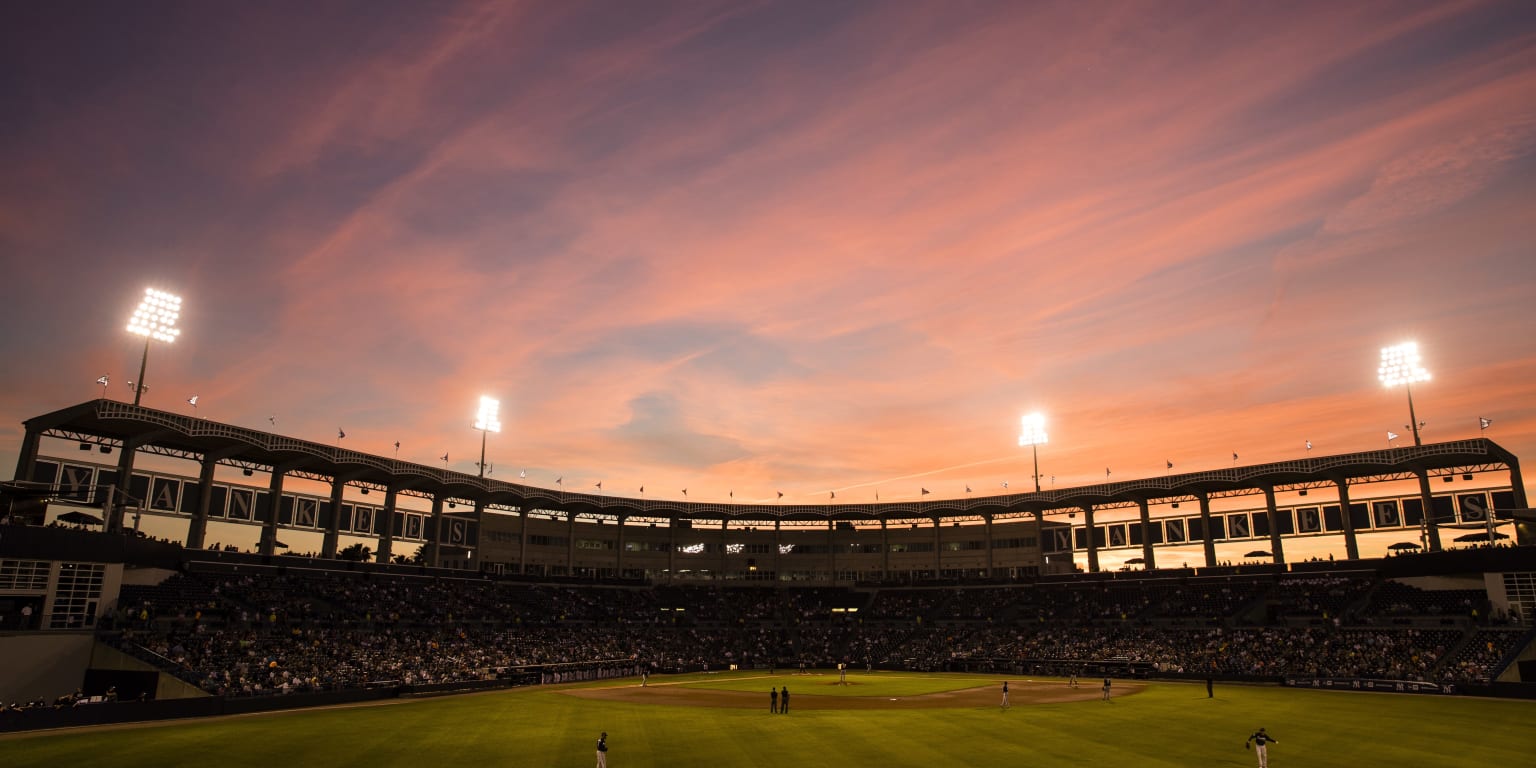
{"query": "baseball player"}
{"type": "Point", "coordinates": [602, 750]}
{"type": "Point", "coordinates": [1004, 705]}
{"type": "Point", "coordinates": [1260, 742]}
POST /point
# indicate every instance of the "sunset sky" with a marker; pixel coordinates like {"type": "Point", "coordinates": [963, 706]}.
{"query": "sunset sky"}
{"type": "Point", "coordinates": [779, 246]}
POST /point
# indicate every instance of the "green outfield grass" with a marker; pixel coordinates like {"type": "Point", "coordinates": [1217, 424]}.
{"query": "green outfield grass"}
{"type": "Point", "coordinates": [1170, 724]}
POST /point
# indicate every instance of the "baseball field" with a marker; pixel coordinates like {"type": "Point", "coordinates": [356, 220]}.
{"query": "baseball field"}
{"type": "Point", "coordinates": [884, 719]}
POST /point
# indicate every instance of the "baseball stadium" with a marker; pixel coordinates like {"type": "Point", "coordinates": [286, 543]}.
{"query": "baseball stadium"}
{"type": "Point", "coordinates": [753, 297]}
{"type": "Point", "coordinates": [482, 620]}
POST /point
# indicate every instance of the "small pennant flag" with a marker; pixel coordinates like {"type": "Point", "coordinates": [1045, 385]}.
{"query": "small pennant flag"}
{"type": "Point", "coordinates": [1234, 455]}
{"type": "Point", "coordinates": [1482, 423]}
{"type": "Point", "coordinates": [192, 401]}
{"type": "Point", "coordinates": [560, 480]}
{"type": "Point", "coordinates": [1170, 466]}
{"type": "Point", "coordinates": [642, 489]}
{"type": "Point", "coordinates": [1005, 484]}
{"type": "Point", "coordinates": [397, 445]}
{"type": "Point", "coordinates": [685, 491]}
{"type": "Point", "coordinates": [272, 419]}
{"type": "Point", "coordinates": [103, 381]}
{"type": "Point", "coordinates": [967, 489]}
{"type": "Point", "coordinates": [341, 434]}
{"type": "Point", "coordinates": [877, 494]}
{"type": "Point", "coordinates": [445, 457]}
{"type": "Point", "coordinates": [834, 494]}
{"type": "Point", "coordinates": [733, 493]}
{"type": "Point", "coordinates": [523, 474]}
{"type": "Point", "coordinates": [1391, 435]}
{"type": "Point", "coordinates": [1106, 471]}
{"type": "Point", "coordinates": [599, 485]}
{"type": "Point", "coordinates": [925, 491]}
{"type": "Point", "coordinates": [781, 494]}
{"type": "Point", "coordinates": [1309, 445]}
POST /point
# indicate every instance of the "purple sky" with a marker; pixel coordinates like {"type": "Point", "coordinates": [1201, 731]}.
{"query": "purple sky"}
{"type": "Point", "coordinates": [798, 247]}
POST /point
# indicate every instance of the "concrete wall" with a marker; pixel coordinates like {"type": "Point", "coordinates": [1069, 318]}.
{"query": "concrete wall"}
{"type": "Point", "coordinates": [43, 665]}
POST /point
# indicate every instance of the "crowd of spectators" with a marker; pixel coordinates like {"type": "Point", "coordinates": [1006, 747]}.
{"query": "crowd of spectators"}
{"type": "Point", "coordinates": [303, 631]}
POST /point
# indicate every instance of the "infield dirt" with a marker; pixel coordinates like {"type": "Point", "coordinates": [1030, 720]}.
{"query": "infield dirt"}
{"type": "Point", "coordinates": [833, 695]}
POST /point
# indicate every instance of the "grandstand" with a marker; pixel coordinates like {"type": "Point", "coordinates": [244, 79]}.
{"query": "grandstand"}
{"type": "Point", "coordinates": [528, 586]}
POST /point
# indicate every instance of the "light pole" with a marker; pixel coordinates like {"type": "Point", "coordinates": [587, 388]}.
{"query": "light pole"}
{"type": "Point", "coordinates": [1400, 365]}
{"type": "Point", "coordinates": [1033, 435]}
{"type": "Point", "coordinates": [154, 319]}
{"type": "Point", "coordinates": [486, 422]}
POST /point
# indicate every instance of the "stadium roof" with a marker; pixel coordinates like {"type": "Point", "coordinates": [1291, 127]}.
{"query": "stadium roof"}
{"type": "Point", "coordinates": [109, 422]}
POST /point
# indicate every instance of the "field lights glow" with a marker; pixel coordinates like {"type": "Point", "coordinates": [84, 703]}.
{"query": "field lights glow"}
{"type": "Point", "coordinates": [156, 316]}
{"type": "Point", "coordinates": [1401, 364]}
{"type": "Point", "coordinates": [485, 420]}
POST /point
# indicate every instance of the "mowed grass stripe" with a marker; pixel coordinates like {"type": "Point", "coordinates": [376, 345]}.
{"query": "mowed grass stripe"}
{"type": "Point", "coordinates": [1170, 724]}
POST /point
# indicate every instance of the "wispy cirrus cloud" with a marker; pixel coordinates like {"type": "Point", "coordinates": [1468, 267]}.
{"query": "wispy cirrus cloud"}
{"type": "Point", "coordinates": [754, 248]}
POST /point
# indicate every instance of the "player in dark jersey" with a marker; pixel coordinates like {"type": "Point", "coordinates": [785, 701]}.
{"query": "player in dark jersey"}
{"type": "Point", "coordinates": [1260, 741]}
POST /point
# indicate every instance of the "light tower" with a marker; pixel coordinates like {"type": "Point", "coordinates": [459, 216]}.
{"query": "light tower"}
{"type": "Point", "coordinates": [486, 422]}
{"type": "Point", "coordinates": [1033, 435]}
{"type": "Point", "coordinates": [154, 319]}
{"type": "Point", "coordinates": [1400, 364]}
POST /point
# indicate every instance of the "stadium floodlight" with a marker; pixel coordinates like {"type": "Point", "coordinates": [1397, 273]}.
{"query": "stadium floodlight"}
{"type": "Point", "coordinates": [1033, 435]}
{"type": "Point", "coordinates": [1400, 364]}
{"type": "Point", "coordinates": [486, 421]}
{"type": "Point", "coordinates": [154, 319]}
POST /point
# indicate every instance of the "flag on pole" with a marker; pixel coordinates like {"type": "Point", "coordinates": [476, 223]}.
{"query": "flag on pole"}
{"type": "Point", "coordinates": [967, 489]}
{"type": "Point", "coordinates": [1170, 466]}
{"type": "Point", "coordinates": [341, 434]}
{"type": "Point", "coordinates": [1391, 435]}
{"type": "Point", "coordinates": [272, 419]}
{"type": "Point", "coordinates": [1106, 472]}
{"type": "Point", "coordinates": [781, 494]}
{"type": "Point", "coordinates": [834, 494]}
{"type": "Point", "coordinates": [1005, 485]}
{"type": "Point", "coordinates": [1234, 455]}
{"type": "Point", "coordinates": [1482, 423]}
{"type": "Point", "coordinates": [733, 493]}
{"type": "Point", "coordinates": [192, 401]}
{"type": "Point", "coordinates": [642, 489]}
{"type": "Point", "coordinates": [685, 491]}
{"type": "Point", "coordinates": [103, 381]}
{"type": "Point", "coordinates": [445, 457]}
{"type": "Point", "coordinates": [599, 485]}
{"type": "Point", "coordinates": [925, 491]}
{"type": "Point", "coordinates": [397, 445]}
{"type": "Point", "coordinates": [1309, 445]}
{"type": "Point", "coordinates": [523, 474]}
{"type": "Point", "coordinates": [560, 480]}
